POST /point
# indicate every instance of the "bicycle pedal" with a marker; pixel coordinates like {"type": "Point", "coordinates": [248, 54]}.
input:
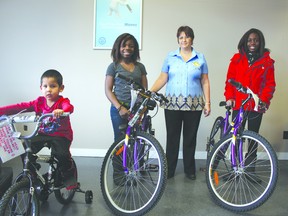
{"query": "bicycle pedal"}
{"type": "Point", "coordinates": [152, 167]}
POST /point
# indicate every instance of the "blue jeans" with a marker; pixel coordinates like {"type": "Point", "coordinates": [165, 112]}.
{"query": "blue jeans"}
{"type": "Point", "coordinates": [117, 120]}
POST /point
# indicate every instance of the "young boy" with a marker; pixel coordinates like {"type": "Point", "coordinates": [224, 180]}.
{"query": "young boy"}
{"type": "Point", "coordinates": [51, 85]}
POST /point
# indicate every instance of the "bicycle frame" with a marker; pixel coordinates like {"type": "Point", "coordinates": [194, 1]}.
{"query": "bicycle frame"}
{"type": "Point", "coordinates": [142, 110]}
{"type": "Point", "coordinates": [136, 116]}
{"type": "Point", "coordinates": [235, 127]}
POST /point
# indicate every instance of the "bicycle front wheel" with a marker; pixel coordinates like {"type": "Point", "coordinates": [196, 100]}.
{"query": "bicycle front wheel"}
{"type": "Point", "coordinates": [216, 133]}
{"type": "Point", "coordinates": [137, 188]}
{"type": "Point", "coordinates": [18, 200]}
{"type": "Point", "coordinates": [251, 182]}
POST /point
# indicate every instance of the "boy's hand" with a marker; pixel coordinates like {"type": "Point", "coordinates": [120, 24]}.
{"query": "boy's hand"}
{"type": "Point", "coordinates": [58, 112]}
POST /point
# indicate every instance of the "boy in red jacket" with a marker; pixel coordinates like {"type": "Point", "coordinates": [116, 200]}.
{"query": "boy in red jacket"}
{"type": "Point", "coordinates": [51, 102]}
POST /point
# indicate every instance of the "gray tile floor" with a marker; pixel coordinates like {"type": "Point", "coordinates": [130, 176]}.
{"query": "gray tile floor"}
{"type": "Point", "coordinates": [181, 197]}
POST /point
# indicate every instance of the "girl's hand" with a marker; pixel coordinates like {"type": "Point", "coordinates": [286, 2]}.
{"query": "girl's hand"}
{"type": "Point", "coordinates": [230, 102]}
{"type": "Point", "coordinates": [123, 112]}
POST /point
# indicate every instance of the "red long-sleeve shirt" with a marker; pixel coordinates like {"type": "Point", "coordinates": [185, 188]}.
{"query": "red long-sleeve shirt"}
{"type": "Point", "coordinates": [39, 106]}
{"type": "Point", "coordinates": [259, 77]}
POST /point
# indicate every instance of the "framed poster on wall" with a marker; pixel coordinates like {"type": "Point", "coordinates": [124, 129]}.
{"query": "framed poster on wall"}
{"type": "Point", "coordinates": [114, 17]}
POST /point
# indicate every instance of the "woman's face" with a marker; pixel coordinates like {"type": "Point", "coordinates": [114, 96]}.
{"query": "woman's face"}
{"type": "Point", "coordinates": [253, 42]}
{"type": "Point", "coordinates": [127, 49]}
{"type": "Point", "coordinates": [185, 41]}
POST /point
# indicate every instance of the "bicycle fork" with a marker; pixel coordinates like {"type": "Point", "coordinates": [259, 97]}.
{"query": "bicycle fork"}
{"type": "Point", "coordinates": [125, 152]}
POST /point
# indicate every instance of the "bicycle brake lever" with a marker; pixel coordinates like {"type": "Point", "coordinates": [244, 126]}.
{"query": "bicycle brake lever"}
{"type": "Point", "coordinates": [255, 98]}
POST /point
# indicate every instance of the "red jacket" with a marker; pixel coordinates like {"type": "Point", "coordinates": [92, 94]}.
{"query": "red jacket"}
{"type": "Point", "coordinates": [40, 107]}
{"type": "Point", "coordinates": [259, 77]}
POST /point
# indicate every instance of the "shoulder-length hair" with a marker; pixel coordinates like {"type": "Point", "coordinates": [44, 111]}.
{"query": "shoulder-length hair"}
{"type": "Point", "coordinates": [242, 46]}
{"type": "Point", "coordinates": [122, 39]}
{"type": "Point", "coordinates": [187, 30]}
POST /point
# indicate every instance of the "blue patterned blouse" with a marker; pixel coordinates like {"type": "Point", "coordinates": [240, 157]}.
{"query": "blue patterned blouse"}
{"type": "Point", "coordinates": [184, 89]}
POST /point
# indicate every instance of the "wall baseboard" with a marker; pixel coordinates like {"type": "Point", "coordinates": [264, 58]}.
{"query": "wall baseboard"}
{"type": "Point", "coordinates": [101, 153]}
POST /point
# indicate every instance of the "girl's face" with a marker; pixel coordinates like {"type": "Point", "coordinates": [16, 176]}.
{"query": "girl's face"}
{"type": "Point", "coordinates": [253, 42]}
{"type": "Point", "coordinates": [185, 41]}
{"type": "Point", "coordinates": [127, 49]}
{"type": "Point", "coordinates": [50, 89]}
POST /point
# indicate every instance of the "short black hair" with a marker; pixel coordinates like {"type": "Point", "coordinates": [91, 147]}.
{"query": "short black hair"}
{"type": "Point", "coordinates": [54, 74]}
{"type": "Point", "coordinates": [242, 46]}
{"type": "Point", "coordinates": [123, 38]}
{"type": "Point", "coordinates": [188, 31]}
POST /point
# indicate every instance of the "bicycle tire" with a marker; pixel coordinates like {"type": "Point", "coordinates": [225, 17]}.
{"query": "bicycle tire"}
{"type": "Point", "coordinates": [64, 195]}
{"type": "Point", "coordinates": [216, 133]}
{"type": "Point", "coordinates": [241, 189]}
{"type": "Point", "coordinates": [139, 190]}
{"type": "Point", "coordinates": [16, 198]}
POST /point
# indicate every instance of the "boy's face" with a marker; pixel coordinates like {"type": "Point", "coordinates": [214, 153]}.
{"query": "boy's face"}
{"type": "Point", "coordinates": [50, 89]}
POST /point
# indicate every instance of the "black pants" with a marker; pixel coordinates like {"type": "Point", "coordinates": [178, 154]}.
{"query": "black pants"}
{"type": "Point", "coordinates": [254, 121]}
{"type": "Point", "coordinates": [174, 121]}
{"type": "Point", "coordinates": [60, 148]}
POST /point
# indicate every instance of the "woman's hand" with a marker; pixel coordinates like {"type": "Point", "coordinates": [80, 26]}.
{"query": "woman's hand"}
{"type": "Point", "coordinates": [207, 109]}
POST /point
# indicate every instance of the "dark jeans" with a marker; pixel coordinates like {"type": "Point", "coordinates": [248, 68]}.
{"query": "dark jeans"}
{"type": "Point", "coordinates": [60, 148]}
{"type": "Point", "coordinates": [117, 120]}
{"type": "Point", "coordinates": [174, 121]}
{"type": "Point", "coordinates": [254, 121]}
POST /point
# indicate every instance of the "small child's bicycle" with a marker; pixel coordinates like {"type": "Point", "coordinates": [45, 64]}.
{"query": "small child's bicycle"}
{"type": "Point", "coordinates": [134, 170]}
{"type": "Point", "coordinates": [242, 167]}
{"type": "Point", "coordinates": [30, 186]}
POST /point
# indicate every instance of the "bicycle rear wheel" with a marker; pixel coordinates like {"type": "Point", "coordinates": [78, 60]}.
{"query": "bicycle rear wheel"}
{"type": "Point", "coordinates": [216, 133]}
{"type": "Point", "coordinates": [252, 182]}
{"type": "Point", "coordinates": [138, 189]}
{"type": "Point", "coordinates": [16, 200]}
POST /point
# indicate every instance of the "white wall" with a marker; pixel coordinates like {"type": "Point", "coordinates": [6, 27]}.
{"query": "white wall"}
{"type": "Point", "coordinates": [37, 35]}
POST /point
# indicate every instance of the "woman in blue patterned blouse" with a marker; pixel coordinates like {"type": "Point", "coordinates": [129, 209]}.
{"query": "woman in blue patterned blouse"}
{"type": "Point", "coordinates": [185, 72]}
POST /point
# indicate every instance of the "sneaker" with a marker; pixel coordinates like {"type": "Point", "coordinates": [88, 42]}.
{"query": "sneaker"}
{"type": "Point", "coordinates": [72, 187]}
{"type": "Point", "coordinates": [150, 168]}
{"type": "Point", "coordinates": [69, 177]}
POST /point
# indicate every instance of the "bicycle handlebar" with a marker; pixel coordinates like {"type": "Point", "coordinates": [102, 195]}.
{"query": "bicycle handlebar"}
{"type": "Point", "coordinates": [246, 90]}
{"type": "Point", "coordinates": [38, 120]}
{"type": "Point", "coordinates": [157, 96]}
{"type": "Point", "coordinates": [238, 86]}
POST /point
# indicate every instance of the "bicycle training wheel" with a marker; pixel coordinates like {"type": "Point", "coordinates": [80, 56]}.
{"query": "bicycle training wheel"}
{"type": "Point", "coordinates": [64, 195]}
{"type": "Point", "coordinates": [17, 200]}
{"type": "Point", "coordinates": [216, 133]}
{"type": "Point", "coordinates": [250, 183]}
{"type": "Point", "coordinates": [137, 188]}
